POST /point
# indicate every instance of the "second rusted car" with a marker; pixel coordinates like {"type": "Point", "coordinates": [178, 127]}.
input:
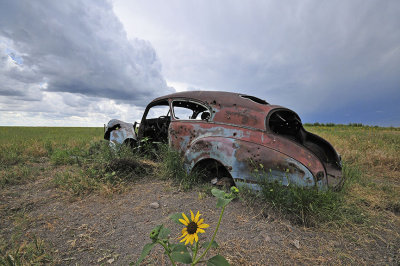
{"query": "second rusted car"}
{"type": "Point", "coordinates": [233, 136]}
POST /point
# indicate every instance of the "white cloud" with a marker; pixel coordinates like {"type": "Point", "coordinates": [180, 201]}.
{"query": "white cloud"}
{"type": "Point", "coordinates": [72, 60]}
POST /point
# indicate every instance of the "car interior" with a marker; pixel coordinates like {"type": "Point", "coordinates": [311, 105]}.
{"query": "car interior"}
{"type": "Point", "coordinates": [155, 123]}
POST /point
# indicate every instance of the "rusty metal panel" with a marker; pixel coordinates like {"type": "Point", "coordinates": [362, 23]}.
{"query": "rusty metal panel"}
{"type": "Point", "coordinates": [240, 149]}
{"type": "Point", "coordinates": [238, 136]}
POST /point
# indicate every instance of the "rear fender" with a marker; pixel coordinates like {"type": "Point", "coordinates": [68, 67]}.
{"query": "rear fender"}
{"type": "Point", "coordinates": [249, 163]}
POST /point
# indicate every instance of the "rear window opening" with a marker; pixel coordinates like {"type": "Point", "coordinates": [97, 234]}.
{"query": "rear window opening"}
{"type": "Point", "coordinates": [287, 123]}
{"type": "Point", "coordinates": [254, 99]}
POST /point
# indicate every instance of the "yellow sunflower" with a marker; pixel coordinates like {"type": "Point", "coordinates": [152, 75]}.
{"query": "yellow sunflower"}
{"type": "Point", "coordinates": [189, 233]}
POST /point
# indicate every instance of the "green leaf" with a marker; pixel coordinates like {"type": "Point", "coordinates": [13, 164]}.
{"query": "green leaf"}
{"type": "Point", "coordinates": [181, 256]}
{"type": "Point", "coordinates": [179, 248]}
{"type": "Point", "coordinates": [217, 260]}
{"type": "Point", "coordinates": [175, 217]}
{"type": "Point", "coordinates": [218, 193]}
{"type": "Point", "coordinates": [146, 250]}
{"type": "Point", "coordinates": [214, 244]}
{"type": "Point", "coordinates": [164, 233]}
{"type": "Point", "coordinates": [223, 202]}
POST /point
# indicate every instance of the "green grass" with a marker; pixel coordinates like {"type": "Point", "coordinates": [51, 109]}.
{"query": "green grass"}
{"type": "Point", "coordinates": [22, 249]}
{"type": "Point", "coordinates": [88, 162]}
{"type": "Point", "coordinates": [80, 162]}
{"type": "Point", "coordinates": [24, 144]}
{"type": "Point", "coordinates": [171, 167]}
{"type": "Point", "coordinates": [29, 252]}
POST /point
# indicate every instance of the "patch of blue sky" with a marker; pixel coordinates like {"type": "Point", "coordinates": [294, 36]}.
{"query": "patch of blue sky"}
{"type": "Point", "coordinates": [14, 56]}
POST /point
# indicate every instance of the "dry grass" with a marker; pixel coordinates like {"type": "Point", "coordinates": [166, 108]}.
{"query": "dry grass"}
{"type": "Point", "coordinates": [68, 158]}
{"type": "Point", "coordinates": [373, 157]}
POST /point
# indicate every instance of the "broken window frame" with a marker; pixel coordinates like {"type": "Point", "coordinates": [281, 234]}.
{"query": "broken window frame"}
{"type": "Point", "coordinates": [206, 107]}
{"type": "Point", "coordinates": [144, 131]}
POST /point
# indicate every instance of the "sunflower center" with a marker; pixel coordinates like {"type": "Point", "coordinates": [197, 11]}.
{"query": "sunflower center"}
{"type": "Point", "coordinates": [192, 228]}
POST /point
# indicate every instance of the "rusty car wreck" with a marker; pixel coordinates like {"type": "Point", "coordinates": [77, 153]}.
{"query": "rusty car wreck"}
{"type": "Point", "coordinates": [233, 135]}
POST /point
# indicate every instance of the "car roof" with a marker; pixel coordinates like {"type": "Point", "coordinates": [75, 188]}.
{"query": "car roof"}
{"type": "Point", "coordinates": [229, 107]}
{"type": "Point", "coordinates": [219, 97]}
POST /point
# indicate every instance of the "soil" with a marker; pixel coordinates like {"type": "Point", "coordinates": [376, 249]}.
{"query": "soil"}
{"type": "Point", "coordinates": [99, 229]}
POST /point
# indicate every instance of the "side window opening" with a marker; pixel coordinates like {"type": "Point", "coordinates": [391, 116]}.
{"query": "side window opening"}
{"type": "Point", "coordinates": [156, 122]}
{"type": "Point", "coordinates": [188, 110]}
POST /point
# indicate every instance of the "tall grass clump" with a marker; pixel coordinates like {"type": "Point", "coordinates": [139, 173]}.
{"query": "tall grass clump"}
{"type": "Point", "coordinates": [103, 166]}
{"type": "Point", "coordinates": [307, 206]}
{"type": "Point", "coordinates": [172, 168]}
{"type": "Point", "coordinates": [16, 175]}
{"type": "Point", "coordinates": [119, 159]}
{"type": "Point", "coordinates": [31, 252]}
{"type": "Point", "coordinates": [310, 206]}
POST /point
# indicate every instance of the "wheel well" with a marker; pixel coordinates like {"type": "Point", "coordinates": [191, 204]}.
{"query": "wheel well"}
{"type": "Point", "coordinates": [209, 169]}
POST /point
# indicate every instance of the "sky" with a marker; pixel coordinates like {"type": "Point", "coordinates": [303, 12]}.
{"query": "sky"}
{"type": "Point", "coordinates": [84, 62]}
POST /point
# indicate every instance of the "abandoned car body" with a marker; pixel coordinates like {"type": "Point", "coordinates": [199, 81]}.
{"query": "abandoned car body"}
{"type": "Point", "coordinates": [120, 132]}
{"type": "Point", "coordinates": [238, 136]}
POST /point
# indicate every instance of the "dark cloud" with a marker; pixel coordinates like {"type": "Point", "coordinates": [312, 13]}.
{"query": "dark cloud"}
{"type": "Point", "coordinates": [77, 47]}
{"type": "Point", "coordinates": [331, 61]}
{"type": "Point", "coordinates": [316, 57]}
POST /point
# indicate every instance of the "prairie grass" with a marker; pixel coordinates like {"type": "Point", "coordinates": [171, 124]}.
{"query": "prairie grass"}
{"type": "Point", "coordinates": [22, 144]}
{"type": "Point", "coordinates": [372, 159]}
{"type": "Point", "coordinates": [366, 210]}
{"type": "Point", "coordinates": [21, 249]}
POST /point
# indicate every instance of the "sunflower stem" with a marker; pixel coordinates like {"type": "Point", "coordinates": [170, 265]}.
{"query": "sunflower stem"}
{"type": "Point", "coordinates": [196, 248]}
{"type": "Point", "coordinates": [167, 251]}
{"type": "Point", "coordinates": [212, 239]}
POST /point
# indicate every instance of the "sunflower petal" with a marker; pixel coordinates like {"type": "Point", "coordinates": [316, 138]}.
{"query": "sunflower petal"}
{"type": "Point", "coordinates": [196, 219]}
{"type": "Point", "coordinates": [191, 215]}
{"type": "Point", "coordinates": [203, 226]}
{"type": "Point", "coordinates": [184, 230]}
{"type": "Point", "coordinates": [199, 230]}
{"type": "Point", "coordinates": [186, 219]}
{"type": "Point", "coordinates": [196, 237]}
{"type": "Point", "coordinates": [183, 234]}
{"type": "Point", "coordinates": [183, 221]}
{"type": "Point", "coordinates": [183, 239]}
{"type": "Point", "coordinates": [191, 239]}
{"type": "Point", "coordinates": [200, 222]}
{"type": "Point", "coordinates": [187, 240]}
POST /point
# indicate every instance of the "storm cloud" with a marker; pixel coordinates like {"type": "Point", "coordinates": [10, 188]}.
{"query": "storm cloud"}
{"type": "Point", "coordinates": [75, 47]}
{"type": "Point", "coordinates": [83, 62]}
{"type": "Point", "coordinates": [331, 61]}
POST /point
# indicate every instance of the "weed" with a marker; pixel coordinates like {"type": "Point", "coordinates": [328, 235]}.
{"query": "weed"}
{"type": "Point", "coordinates": [62, 157]}
{"type": "Point", "coordinates": [48, 145]}
{"type": "Point", "coordinates": [172, 168]}
{"type": "Point", "coordinates": [16, 175]}
{"type": "Point", "coordinates": [308, 206]}
{"type": "Point", "coordinates": [76, 183]}
{"type": "Point", "coordinates": [101, 167]}
{"type": "Point", "coordinates": [31, 252]}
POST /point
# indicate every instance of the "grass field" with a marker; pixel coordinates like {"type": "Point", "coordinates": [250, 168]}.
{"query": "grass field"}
{"type": "Point", "coordinates": [77, 163]}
